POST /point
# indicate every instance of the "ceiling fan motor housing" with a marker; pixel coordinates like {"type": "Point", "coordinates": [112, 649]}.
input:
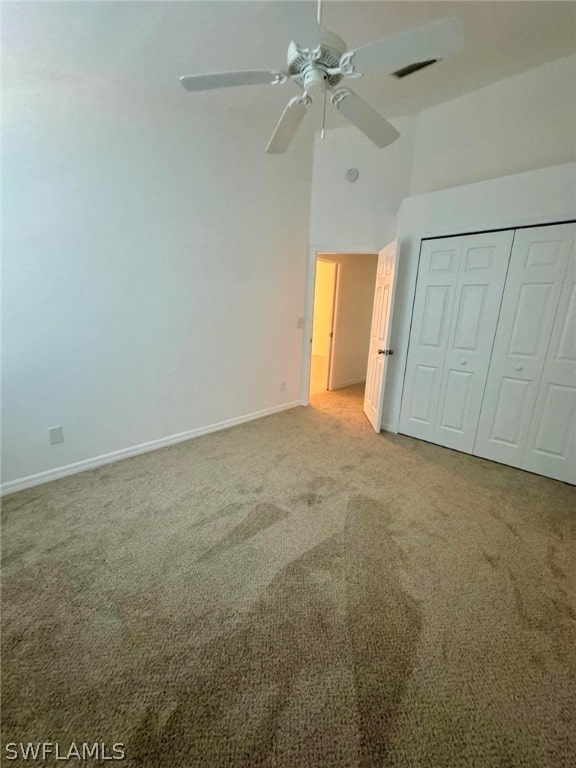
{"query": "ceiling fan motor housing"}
{"type": "Point", "coordinates": [319, 69]}
{"type": "Point", "coordinates": [309, 66]}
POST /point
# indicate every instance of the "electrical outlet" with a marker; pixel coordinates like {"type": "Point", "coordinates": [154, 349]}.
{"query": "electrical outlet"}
{"type": "Point", "coordinates": [55, 435]}
{"type": "Point", "coordinates": [282, 386]}
{"type": "Point", "coordinates": [300, 322]}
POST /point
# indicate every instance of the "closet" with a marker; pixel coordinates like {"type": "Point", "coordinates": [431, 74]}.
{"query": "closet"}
{"type": "Point", "coordinates": [491, 367]}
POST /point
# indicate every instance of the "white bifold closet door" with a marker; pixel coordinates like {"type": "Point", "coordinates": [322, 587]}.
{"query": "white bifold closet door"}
{"type": "Point", "coordinates": [458, 296]}
{"type": "Point", "coordinates": [529, 409]}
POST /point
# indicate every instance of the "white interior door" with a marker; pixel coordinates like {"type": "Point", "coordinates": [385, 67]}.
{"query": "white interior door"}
{"type": "Point", "coordinates": [379, 352]}
{"type": "Point", "coordinates": [458, 296]}
{"type": "Point", "coordinates": [531, 301]}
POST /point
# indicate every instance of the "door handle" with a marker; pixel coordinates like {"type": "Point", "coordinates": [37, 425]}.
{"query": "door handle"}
{"type": "Point", "coordinates": [385, 351]}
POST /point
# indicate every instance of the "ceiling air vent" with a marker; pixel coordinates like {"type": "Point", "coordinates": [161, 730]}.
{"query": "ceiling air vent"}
{"type": "Point", "coordinates": [411, 68]}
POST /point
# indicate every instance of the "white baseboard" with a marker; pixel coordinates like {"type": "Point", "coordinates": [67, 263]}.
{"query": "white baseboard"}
{"type": "Point", "coordinates": [125, 453]}
{"type": "Point", "coordinates": [389, 428]}
{"type": "Point", "coordinates": [343, 384]}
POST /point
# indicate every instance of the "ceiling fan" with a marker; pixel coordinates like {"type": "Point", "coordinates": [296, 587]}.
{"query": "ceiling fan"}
{"type": "Point", "coordinates": [319, 70]}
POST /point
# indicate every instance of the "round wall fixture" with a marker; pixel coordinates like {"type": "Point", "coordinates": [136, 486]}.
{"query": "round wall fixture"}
{"type": "Point", "coordinates": [352, 174]}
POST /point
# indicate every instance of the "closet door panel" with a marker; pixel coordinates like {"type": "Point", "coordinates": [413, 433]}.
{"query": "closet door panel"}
{"type": "Point", "coordinates": [425, 383]}
{"type": "Point", "coordinates": [550, 447]}
{"type": "Point", "coordinates": [535, 276]}
{"type": "Point", "coordinates": [437, 279]}
{"type": "Point", "coordinates": [484, 262]}
{"type": "Point", "coordinates": [458, 295]}
{"type": "Point", "coordinates": [510, 410]}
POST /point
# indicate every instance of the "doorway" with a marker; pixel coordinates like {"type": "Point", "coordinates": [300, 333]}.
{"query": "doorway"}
{"type": "Point", "coordinates": [323, 325]}
{"type": "Point", "coordinates": [341, 320]}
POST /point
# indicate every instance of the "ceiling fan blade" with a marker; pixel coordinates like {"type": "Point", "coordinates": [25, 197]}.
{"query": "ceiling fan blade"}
{"type": "Point", "coordinates": [288, 124]}
{"type": "Point", "coordinates": [229, 79]}
{"type": "Point", "coordinates": [436, 40]}
{"type": "Point", "coordinates": [366, 119]}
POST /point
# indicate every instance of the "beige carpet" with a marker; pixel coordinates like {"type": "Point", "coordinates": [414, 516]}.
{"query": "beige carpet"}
{"type": "Point", "coordinates": [295, 592]}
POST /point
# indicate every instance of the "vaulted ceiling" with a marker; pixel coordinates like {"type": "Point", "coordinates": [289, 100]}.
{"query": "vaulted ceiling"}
{"type": "Point", "coordinates": [147, 45]}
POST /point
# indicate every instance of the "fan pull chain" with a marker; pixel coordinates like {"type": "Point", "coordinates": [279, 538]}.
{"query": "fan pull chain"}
{"type": "Point", "coordinates": [323, 114]}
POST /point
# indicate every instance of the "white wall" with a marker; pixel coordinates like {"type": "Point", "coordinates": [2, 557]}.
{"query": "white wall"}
{"type": "Point", "coordinates": [521, 123]}
{"type": "Point", "coordinates": [153, 270]}
{"type": "Point", "coordinates": [524, 122]}
{"type": "Point", "coordinates": [359, 215]}
{"type": "Point", "coordinates": [353, 318]}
